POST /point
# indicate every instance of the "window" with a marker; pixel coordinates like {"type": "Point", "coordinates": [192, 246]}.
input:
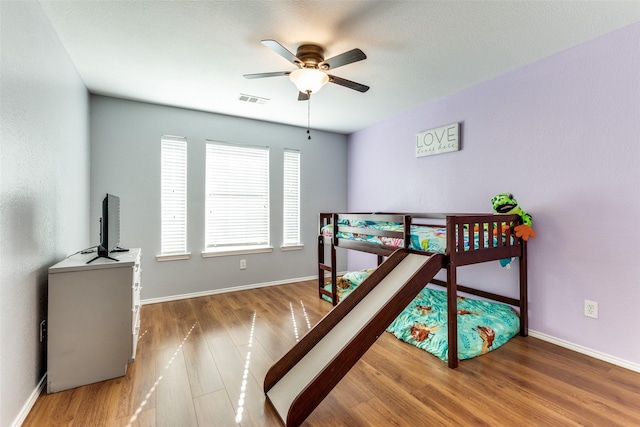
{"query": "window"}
{"type": "Point", "coordinates": [291, 200]}
{"type": "Point", "coordinates": [237, 198]}
{"type": "Point", "coordinates": [173, 204]}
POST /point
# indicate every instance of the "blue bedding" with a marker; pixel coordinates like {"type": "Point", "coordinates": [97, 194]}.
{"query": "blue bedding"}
{"type": "Point", "coordinates": [482, 326]}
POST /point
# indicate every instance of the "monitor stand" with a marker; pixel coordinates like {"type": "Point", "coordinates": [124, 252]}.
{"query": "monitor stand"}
{"type": "Point", "coordinates": [102, 253]}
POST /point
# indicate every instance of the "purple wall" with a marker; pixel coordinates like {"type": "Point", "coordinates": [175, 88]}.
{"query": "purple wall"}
{"type": "Point", "coordinates": [562, 134]}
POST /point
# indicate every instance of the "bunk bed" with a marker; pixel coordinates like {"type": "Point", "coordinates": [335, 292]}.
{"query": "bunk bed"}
{"type": "Point", "coordinates": [463, 239]}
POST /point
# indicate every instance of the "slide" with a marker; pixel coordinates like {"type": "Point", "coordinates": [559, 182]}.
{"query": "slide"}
{"type": "Point", "coordinates": [297, 383]}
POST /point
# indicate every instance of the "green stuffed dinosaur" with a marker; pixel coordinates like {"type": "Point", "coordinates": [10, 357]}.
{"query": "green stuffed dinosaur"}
{"type": "Point", "coordinates": [504, 203]}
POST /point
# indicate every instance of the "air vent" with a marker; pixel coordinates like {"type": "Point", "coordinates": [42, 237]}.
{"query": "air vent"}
{"type": "Point", "coordinates": [252, 99]}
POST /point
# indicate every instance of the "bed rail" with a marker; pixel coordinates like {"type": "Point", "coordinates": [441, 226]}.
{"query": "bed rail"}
{"type": "Point", "coordinates": [493, 233]}
{"type": "Point", "coordinates": [460, 228]}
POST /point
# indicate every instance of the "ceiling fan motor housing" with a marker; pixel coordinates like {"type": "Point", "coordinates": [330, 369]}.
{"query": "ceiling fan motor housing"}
{"type": "Point", "coordinates": [311, 55]}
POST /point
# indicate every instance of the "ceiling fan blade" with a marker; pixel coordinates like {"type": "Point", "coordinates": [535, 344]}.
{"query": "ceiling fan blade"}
{"type": "Point", "coordinates": [348, 83]}
{"type": "Point", "coordinates": [303, 96]}
{"type": "Point", "coordinates": [261, 75]}
{"type": "Point", "coordinates": [354, 55]}
{"type": "Point", "coordinates": [282, 51]}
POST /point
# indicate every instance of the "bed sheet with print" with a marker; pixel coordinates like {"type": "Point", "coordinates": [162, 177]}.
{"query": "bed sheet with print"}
{"type": "Point", "coordinates": [483, 326]}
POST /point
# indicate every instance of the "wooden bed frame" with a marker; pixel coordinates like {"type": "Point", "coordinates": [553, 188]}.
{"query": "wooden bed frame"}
{"type": "Point", "coordinates": [456, 255]}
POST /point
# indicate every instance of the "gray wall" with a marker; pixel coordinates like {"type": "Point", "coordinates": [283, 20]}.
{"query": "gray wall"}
{"type": "Point", "coordinates": [125, 161]}
{"type": "Point", "coordinates": [44, 188]}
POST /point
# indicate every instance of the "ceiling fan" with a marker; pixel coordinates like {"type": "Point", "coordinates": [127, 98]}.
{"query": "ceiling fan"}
{"type": "Point", "coordinates": [312, 74]}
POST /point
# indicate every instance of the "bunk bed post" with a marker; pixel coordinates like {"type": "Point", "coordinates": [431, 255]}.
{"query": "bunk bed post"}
{"type": "Point", "coordinates": [524, 297]}
{"type": "Point", "coordinates": [452, 294]}
{"type": "Point", "coordinates": [320, 262]}
{"type": "Point", "coordinates": [407, 231]}
{"type": "Point", "coordinates": [334, 275]}
{"type": "Point", "coordinates": [452, 315]}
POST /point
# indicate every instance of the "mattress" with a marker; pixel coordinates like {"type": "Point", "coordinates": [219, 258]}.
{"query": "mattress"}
{"type": "Point", "coordinates": [422, 237]}
{"type": "Point", "coordinates": [483, 326]}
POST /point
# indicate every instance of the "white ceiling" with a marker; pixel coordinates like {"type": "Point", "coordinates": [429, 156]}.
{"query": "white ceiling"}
{"type": "Point", "coordinates": [193, 54]}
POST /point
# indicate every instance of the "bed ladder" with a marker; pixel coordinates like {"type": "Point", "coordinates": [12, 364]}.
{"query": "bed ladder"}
{"type": "Point", "coordinates": [326, 219]}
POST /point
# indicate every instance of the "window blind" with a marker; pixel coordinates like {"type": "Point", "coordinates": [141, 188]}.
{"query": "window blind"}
{"type": "Point", "coordinates": [173, 195]}
{"type": "Point", "coordinates": [291, 198]}
{"type": "Point", "coordinates": [237, 195]}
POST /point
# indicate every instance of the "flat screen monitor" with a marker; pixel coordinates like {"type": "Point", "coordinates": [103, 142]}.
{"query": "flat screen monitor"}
{"type": "Point", "coordinates": [110, 235]}
{"type": "Point", "coordinates": [109, 228]}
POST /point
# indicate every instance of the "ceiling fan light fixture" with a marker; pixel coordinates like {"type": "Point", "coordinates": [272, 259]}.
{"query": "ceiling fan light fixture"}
{"type": "Point", "coordinates": [308, 80]}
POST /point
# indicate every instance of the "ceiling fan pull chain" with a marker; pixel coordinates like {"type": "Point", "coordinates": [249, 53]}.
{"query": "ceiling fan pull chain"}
{"type": "Point", "coordinates": [309, 114]}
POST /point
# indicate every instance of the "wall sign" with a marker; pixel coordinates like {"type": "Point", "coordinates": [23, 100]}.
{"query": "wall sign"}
{"type": "Point", "coordinates": [439, 140]}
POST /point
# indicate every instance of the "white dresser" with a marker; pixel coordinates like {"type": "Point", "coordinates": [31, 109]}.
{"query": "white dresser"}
{"type": "Point", "coordinates": [93, 319]}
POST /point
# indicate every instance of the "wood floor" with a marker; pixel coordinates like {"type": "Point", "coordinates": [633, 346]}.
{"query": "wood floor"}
{"type": "Point", "coordinates": [202, 361]}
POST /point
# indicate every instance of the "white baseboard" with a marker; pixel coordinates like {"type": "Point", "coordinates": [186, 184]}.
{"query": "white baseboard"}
{"type": "Point", "coordinates": [589, 352]}
{"type": "Point", "coordinates": [30, 402]}
{"type": "Point", "coordinates": [225, 290]}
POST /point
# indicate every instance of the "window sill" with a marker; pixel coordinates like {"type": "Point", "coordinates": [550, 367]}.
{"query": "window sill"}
{"type": "Point", "coordinates": [173, 257]}
{"type": "Point", "coordinates": [236, 250]}
{"type": "Point", "coordinates": [291, 248]}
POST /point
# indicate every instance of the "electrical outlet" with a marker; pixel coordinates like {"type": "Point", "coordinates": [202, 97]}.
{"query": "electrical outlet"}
{"type": "Point", "coordinates": [591, 309]}
{"type": "Point", "coordinates": [243, 264]}
{"type": "Point", "coordinates": [43, 329]}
